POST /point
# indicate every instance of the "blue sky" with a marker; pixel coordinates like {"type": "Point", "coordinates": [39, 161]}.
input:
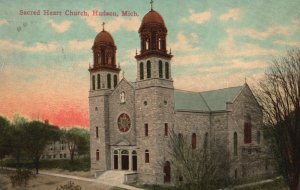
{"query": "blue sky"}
{"type": "Point", "coordinates": [215, 43]}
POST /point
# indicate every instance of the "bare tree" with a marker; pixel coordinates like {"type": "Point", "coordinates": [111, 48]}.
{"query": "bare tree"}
{"type": "Point", "coordinates": [194, 168]}
{"type": "Point", "coordinates": [279, 96]}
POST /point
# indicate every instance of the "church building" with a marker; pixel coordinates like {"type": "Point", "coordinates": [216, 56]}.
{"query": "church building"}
{"type": "Point", "coordinates": [130, 122]}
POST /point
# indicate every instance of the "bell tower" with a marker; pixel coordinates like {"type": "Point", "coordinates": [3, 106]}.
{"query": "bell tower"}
{"type": "Point", "coordinates": [154, 97]}
{"type": "Point", "coordinates": [104, 77]}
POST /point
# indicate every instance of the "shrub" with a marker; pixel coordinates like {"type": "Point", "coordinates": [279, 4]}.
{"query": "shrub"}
{"type": "Point", "coordinates": [69, 186]}
{"type": "Point", "coordinates": [21, 177]}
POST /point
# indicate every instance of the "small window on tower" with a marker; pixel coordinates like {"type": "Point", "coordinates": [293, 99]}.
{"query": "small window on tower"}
{"type": "Point", "coordinates": [166, 129]}
{"type": "Point", "coordinates": [109, 59]}
{"type": "Point", "coordinates": [145, 103]}
{"type": "Point", "coordinates": [167, 70]}
{"type": "Point", "coordinates": [194, 141]}
{"type": "Point", "coordinates": [159, 43]}
{"type": "Point", "coordinates": [141, 71]}
{"type": "Point", "coordinates": [115, 81]}
{"type": "Point", "coordinates": [99, 59]}
{"type": "Point", "coordinates": [108, 81]}
{"type": "Point", "coordinates": [93, 82]}
{"type": "Point", "coordinates": [148, 69]}
{"type": "Point", "coordinates": [147, 157]}
{"type": "Point", "coordinates": [160, 65]}
{"type": "Point", "coordinates": [147, 44]}
{"type": "Point", "coordinates": [146, 130]}
{"type": "Point", "coordinates": [97, 155]}
{"type": "Point", "coordinates": [98, 81]}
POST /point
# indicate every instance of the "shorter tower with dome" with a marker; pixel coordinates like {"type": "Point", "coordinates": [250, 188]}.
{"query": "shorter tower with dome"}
{"type": "Point", "coordinates": [130, 122]}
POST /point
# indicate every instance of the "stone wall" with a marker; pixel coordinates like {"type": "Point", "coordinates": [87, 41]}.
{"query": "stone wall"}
{"type": "Point", "coordinates": [251, 158]}
{"type": "Point", "coordinates": [116, 108]}
{"type": "Point", "coordinates": [98, 106]}
{"type": "Point", "coordinates": [155, 107]}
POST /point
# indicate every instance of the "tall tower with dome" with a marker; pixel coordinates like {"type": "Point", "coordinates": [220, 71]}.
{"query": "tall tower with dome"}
{"type": "Point", "coordinates": [104, 77]}
{"type": "Point", "coordinates": [154, 96]}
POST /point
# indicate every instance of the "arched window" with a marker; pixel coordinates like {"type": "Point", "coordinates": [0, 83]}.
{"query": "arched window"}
{"type": "Point", "coordinates": [167, 71]}
{"type": "Point", "coordinates": [141, 70]}
{"type": "Point", "coordinates": [235, 143]}
{"type": "Point", "coordinates": [194, 141]}
{"type": "Point", "coordinates": [147, 157]}
{"type": "Point", "coordinates": [109, 59]}
{"type": "Point", "coordinates": [258, 137]}
{"type": "Point", "coordinates": [160, 69]}
{"type": "Point", "coordinates": [160, 43]}
{"type": "Point", "coordinates": [148, 69]}
{"type": "Point", "coordinates": [235, 174]}
{"type": "Point", "coordinates": [98, 81]}
{"type": "Point", "coordinates": [108, 81]}
{"type": "Point", "coordinates": [205, 140]}
{"type": "Point", "coordinates": [166, 129]}
{"type": "Point", "coordinates": [247, 129]}
{"type": "Point", "coordinates": [99, 58]}
{"type": "Point", "coordinates": [147, 44]}
{"type": "Point", "coordinates": [97, 132]}
{"type": "Point", "coordinates": [97, 155]}
{"type": "Point", "coordinates": [115, 81]}
{"type": "Point", "coordinates": [93, 82]}
{"type": "Point", "coordinates": [146, 129]}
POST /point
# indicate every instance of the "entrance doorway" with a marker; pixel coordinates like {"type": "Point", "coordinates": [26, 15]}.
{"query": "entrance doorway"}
{"type": "Point", "coordinates": [167, 171]}
{"type": "Point", "coordinates": [116, 160]}
{"type": "Point", "coordinates": [134, 161]}
{"type": "Point", "coordinates": [125, 160]}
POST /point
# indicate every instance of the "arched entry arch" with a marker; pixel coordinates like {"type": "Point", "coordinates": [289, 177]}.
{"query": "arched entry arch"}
{"type": "Point", "coordinates": [125, 159]}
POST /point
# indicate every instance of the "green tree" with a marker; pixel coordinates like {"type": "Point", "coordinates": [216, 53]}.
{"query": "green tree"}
{"type": "Point", "coordinates": [37, 136]}
{"type": "Point", "coordinates": [279, 96]}
{"type": "Point", "coordinates": [4, 146]}
{"type": "Point", "coordinates": [78, 141]}
{"type": "Point", "coordinates": [15, 138]}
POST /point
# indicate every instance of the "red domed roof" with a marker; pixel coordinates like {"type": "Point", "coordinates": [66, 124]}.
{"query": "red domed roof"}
{"type": "Point", "coordinates": [104, 37]}
{"type": "Point", "coordinates": [153, 17]}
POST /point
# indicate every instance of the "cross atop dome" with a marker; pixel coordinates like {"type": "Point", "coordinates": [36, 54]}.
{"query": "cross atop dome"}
{"type": "Point", "coordinates": [151, 3]}
{"type": "Point", "coordinates": [103, 24]}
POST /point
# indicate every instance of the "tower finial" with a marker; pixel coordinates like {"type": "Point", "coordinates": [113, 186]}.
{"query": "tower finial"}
{"type": "Point", "coordinates": [245, 80]}
{"type": "Point", "coordinates": [103, 24]}
{"type": "Point", "coordinates": [151, 2]}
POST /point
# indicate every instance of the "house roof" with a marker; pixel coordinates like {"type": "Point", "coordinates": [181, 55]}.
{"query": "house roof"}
{"type": "Point", "coordinates": [214, 100]}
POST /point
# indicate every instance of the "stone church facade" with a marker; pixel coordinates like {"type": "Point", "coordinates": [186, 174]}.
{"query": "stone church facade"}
{"type": "Point", "coordinates": [130, 122]}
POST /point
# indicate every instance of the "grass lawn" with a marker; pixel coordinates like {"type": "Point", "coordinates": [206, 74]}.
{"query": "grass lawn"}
{"type": "Point", "coordinates": [43, 182]}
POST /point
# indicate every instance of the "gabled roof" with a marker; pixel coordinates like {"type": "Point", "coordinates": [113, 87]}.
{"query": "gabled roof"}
{"type": "Point", "coordinates": [193, 101]}
{"type": "Point", "coordinates": [214, 100]}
